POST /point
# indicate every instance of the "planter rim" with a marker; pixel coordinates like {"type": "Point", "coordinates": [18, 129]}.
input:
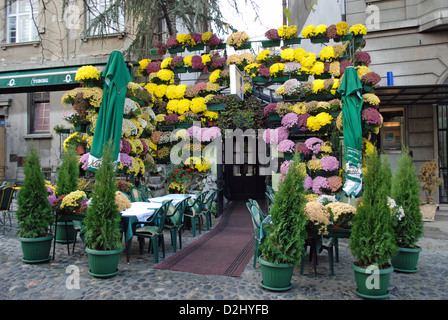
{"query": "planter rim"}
{"type": "Point", "coordinates": [49, 237]}
{"type": "Point", "coordinates": [381, 271]}
{"type": "Point", "coordinates": [413, 250]}
{"type": "Point", "coordinates": [103, 252]}
{"type": "Point", "coordinates": [274, 265]}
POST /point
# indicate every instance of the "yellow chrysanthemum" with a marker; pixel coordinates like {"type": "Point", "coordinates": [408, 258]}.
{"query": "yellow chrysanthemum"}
{"type": "Point", "coordinates": [142, 64]}
{"type": "Point", "coordinates": [206, 36]}
{"type": "Point", "coordinates": [214, 76]}
{"type": "Point", "coordinates": [327, 53]}
{"type": "Point", "coordinates": [358, 29]}
{"type": "Point", "coordinates": [206, 58]}
{"type": "Point", "coordinates": [362, 70]}
{"type": "Point", "coordinates": [187, 60]}
{"type": "Point", "coordinates": [317, 68]}
{"type": "Point", "coordinates": [87, 73]}
{"type": "Point", "coordinates": [166, 63]}
{"type": "Point", "coordinates": [320, 30]}
{"type": "Point", "coordinates": [342, 28]}
{"type": "Point", "coordinates": [263, 55]}
{"type": "Point", "coordinates": [276, 69]}
{"type": "Point", "coordinates": [160, 90]}
{"type": "Point", "coordinates": [287, 54]}
{"type": "Point", "coordinates": [308, 60]}
{"type": "Point", "coordinates": [198, 105]}
{"type": "Point", "coordinates": [318, 85]}
{"type": "Point", "coordinates": [308, 31]}
{"type": "Point", "coordinates": [299, 53]}
{"type": "Point", "coordinates": [165, 75]}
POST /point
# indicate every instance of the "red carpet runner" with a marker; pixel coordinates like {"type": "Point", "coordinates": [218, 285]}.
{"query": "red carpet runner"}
{"type": "Point", "coordinates": [224, 251]}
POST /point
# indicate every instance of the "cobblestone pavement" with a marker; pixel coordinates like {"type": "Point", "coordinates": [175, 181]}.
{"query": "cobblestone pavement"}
{"type": "Point", "coordinates": [138, 280]}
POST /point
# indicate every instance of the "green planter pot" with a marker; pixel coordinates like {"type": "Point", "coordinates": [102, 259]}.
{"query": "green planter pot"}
{"type": "Point", "coordinates": [261, 79]}
{"type": "Point", "coordinates": [244, 46]}
{"type": "Point", "coordinates": [323, 76]}
{"type": "Point", "coordinates": [219, 46]}
{"type": "Point", "coordinates": [216, 107]}
{"type": "Point", "coordinates": [191, 70]}
{"type": "Point", "coordinates": [319, 40]}
{"type": "Point", "coordinates": [270, 43]}
{"type": "Point", "coordinates": [184, 125]}
{"type": "Point", "coordinates": [65, 232]}
{"type": "Point", "coordinates": [197, 47]}
{"type": "Point", "coordinates": [280, 79]}
{"type": "Point", "coordinates": [343, 38]}
{"type": "Point", "coordinates": [275, 277]}
{"type": "Point", "coordinates": [406, 260]}
{"type": "Point", "coordinates": [81, 128]}
{"type": "Point", "coordinates": [297, 40]}
{"type": "Point", "coordinates": [103, 263]}
{"type": "Point", "coordinates": [180, 70]}
{"type": "Point", "coordinates": [372, 284]}
{"type": "Point", "coordinates": [176, 50]}
{"type": "Point", "coordinates": [36, 250]}
{"type": "Point", "coordinates": [275, 117]}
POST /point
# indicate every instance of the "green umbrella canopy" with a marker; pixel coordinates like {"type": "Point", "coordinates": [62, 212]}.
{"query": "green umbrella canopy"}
{"type": "Point", "coordinates": [110, 117]}
{"type": "Point", "coordinates": [351, 95]}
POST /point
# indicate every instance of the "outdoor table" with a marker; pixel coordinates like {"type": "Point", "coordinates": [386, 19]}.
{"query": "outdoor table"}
{"type": "Point", "coordinates": [141, 211]}
{"type": "Point", "coordinates": [338, 233]}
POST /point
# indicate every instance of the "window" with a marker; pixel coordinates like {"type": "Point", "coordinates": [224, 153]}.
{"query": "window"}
{"type": "Point", "coordinates": [442, 112]}
{"type": "Point", "coordinates": [20, 21]}
{"type": "Point", "coordinates": [114, 23]}
{"type": "Point", "coordinates": [40, 112]}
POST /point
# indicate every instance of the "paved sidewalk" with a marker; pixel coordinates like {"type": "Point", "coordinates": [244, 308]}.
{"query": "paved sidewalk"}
{"type": "Point", "coordinates": [138, 280]}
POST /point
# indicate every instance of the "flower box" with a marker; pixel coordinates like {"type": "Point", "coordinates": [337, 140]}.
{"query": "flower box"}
{"type": "Point", "coordinates": [300, 77]}
{"type": "Point", "coordinates": [64, 130]}
{"type": "Point", "coordinates": [180, 70]}
{"type": "Point", "coordinates": [141, 102]}
{"type": "Point", "coordinates": [288, 156]}
{"type": "Point", "coordinates": [270, 43]}
{"type": "Point", "coordinates": [338, 232]}
{"type": "Point", "coordinates": [244, 46]}
{"type": "Point", "coordinates": [219, 46]}
{"type": "Point", "coordinates": [167, 128]}
{"type": "Point", "coordinates": [191, 70]}
{"type": "Point", "coordinates": [335, 114]}
{"type": "Point", "coordinates": [216, 107]}
{"type": "Point", "coordinates": [320, 97]}
{"type": "Point", "coordinates": [322, 39]}
{"type": "Point", "coordinates": [184, 125]}
{"type": "Point", "coordinates": [295, 97]}
{"type": "Point", "coordinates": [275, 117]}
{"type": "Point", "coordinates": [280, 79]}
{"type": "Point", "coordinates": [343, 38]}
{"type": "Point", "coordinates": [197, 47]}
{"type": "Point", "coordinates": [297, 40]}
{"type": "Point", "coordinates": [127, 116]}
{"type": "Point", "coordinates": [176, 50]}
{"type": "Point", "coordinates": [81, 128]}
{"type": "Point", "coordinates": [322, 76]}
{"type": "Point", "coordinates": [260, 79]}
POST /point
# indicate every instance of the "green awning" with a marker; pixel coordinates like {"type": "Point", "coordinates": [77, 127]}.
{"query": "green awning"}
{"type": "Point", "coordinates": [38, 77]}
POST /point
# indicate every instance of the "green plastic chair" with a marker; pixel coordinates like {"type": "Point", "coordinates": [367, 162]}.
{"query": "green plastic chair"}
{"type": "Point", "coordinates": [269, 201]}
{"type": "Point", "coordinates": [256, 223]}
{"type": "Point", "coordinates": [207, 208]}
{"type": "Point", "coordinates": [146, 192]}
{"type": "Point", "coordinates": [136, 195]}
{"type": "Point", "coordinates": [153, 230]}
{"type": "Point", "coordinates": [270, 190]}
{"type": "Point", "coordinates": [194, 211]}
{"type": "Point", "coordinates": [261, 213]}
{"type": "Point", "coordinates": [175, 221]}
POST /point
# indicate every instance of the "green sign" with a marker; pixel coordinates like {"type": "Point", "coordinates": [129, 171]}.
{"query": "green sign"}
{"type": "Point", "coordinates": [32, 78]}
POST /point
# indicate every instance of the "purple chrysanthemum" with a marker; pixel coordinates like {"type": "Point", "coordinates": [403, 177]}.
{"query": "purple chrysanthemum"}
{"type": "Point", "coordinates": [289, 120]}
{"type": "Point", "coordinates": [329, 163]}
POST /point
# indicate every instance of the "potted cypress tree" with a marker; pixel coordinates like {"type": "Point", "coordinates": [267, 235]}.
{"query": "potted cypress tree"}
{"type": "Point", "coordinates": [372, 240]}
{"type": "Point", "coordinates": [68, 175]}
{"type": "Point", "coordinates": [102, 222]}
{"type": "Point", "coordinates": [284, 247]}
{"type": "Point", "coordinates": [405, 190]}
{"type": "Point", "coordinates": [34, 213]}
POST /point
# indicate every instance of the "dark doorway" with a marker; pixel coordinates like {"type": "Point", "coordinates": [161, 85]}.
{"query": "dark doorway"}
{"type": "Point", "coordinates": [242, 178]}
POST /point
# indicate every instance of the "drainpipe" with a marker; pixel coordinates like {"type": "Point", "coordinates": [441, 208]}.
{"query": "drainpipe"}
{"type": "Point", "coordinates": [283, 10]}
{"type": "Point", "coordinates": [343, 11]}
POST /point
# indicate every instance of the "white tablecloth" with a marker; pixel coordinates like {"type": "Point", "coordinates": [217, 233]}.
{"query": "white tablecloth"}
{"type": "Point", "coordinates": [141, 210]}
{"type": "Point", "coordinates": [175, 197]}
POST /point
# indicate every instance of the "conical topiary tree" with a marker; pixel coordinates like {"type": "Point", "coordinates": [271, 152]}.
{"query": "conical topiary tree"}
{"type": "Point", "coordinates": [372, 239]}
{"type": "Point", "coordinates": [34, 213]}
{"type": "Point", "coordinates": [102, 220]}
{"type": "Point", "coordinates": [285, 243]}
{"type": "Point", "coordinates": [405, 191]}
{"type": "Point", "coordinates": [68, 173]}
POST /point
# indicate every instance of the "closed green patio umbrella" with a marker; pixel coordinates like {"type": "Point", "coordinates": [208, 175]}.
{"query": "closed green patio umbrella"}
{"type": "Point", "coordinates": [351, 95]}
{"type": "Point", "coordinates": [110, 117]}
